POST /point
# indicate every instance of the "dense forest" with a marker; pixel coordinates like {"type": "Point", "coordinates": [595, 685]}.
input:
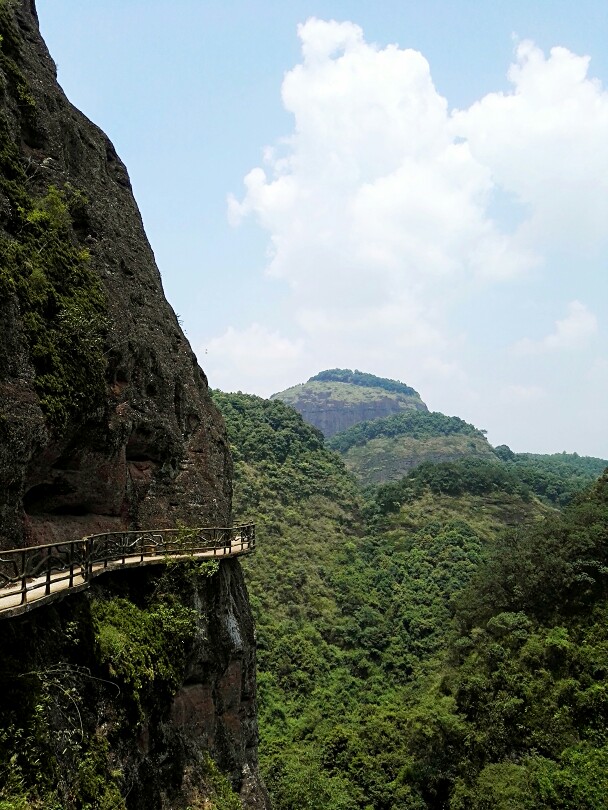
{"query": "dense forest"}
{"type": "Point", "coordinates": [415, 424]}
{"type": "Point", "coordinates": [435, 642]}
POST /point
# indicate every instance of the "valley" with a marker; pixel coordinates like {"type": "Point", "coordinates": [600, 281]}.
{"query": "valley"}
{"type": "Point", "coordinates": [407, 631]}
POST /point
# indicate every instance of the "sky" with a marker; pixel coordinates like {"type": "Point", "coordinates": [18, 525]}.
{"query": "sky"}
{"type": "Point", "coordinates": [414, 188]}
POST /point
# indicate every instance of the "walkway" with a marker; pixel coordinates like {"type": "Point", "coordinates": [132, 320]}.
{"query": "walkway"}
{"type": "Point", "coordinates": [34, 576]}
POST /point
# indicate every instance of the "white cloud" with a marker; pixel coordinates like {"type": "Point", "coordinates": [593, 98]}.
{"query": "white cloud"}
{"type": "Point", "coordinates": [572, 332]}
{"type": "Point", "coordinates": [399, 226]}
{"type": "Point", "coordinates": [373, 187]}
{"type": "Point", "coordinates": [380, 195]}
{"type": "Point", "coordinates": [252, 355]}
{"type": "Point", "coordinates": [546, 142]}
{"type": "Point", "coordinates": [522, 394]}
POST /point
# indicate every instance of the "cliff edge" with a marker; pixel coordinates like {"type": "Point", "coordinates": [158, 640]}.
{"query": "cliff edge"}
{"type": "Point", "coordinates": [117, 697]}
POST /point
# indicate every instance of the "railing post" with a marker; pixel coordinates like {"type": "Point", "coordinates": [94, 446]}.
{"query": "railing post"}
{"type": "Point", "coordinates": [23, 580]}
{"type": "Point", "coordinates": [47, 589]}
{"type": "Point", "coordinates": [71, 579]}
{"type": "Point", "coordinates": [87, 545]}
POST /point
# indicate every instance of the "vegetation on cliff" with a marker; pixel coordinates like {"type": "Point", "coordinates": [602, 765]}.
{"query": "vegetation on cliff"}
{"type": "Point", "coordinates": [414, 424]}
{"type": "Point", "coordinates": [364, 380]}
{"type": "Point", "coordinates": [387, 449]}
{"type": "Point", "coordinates": [450, 651]}
{"type": "Point", "coordinates": [43, 267]}
{"type": "Point", "coordinates": [87, 687]}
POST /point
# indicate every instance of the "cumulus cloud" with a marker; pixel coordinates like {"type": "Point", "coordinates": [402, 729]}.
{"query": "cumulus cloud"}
{"type": "Point", "coordinates": [373, 188]}
{"type": "Point", "coordinates": [571, 332]}
{"type": "Point", "coordinates": [546, 142]}
{"type": "Point", "coordinates": [384, 211]}
{"type": "Point", "coordinates": [380, 191]}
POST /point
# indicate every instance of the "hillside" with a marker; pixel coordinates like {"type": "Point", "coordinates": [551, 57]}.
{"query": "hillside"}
{"type": "Point", "coordinates": [368, 689]}
{"type": "Point", "coordinates": [387, 449]}
{"type": "Point", "coordinates": [555, 477]}
{"type": "Point", "coordinates": [336, 399]}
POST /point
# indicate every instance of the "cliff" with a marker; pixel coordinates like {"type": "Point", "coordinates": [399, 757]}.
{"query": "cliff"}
{"type": "Point", "coordinates": [136, 695]}
{"type": "Point", "coordinates": [106, 423]}
{"type": "Point", "coordinates": [106, 418]}
{"type": "Point", "coordinates": [335, 400]}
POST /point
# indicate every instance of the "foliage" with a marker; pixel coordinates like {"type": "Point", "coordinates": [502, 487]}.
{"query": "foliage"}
{"type": "Point", "coordinates": [481, 476]}
{"type": "Point", "coordinates": [346, 621]}
{"type": "Point", "coordinates": [413, 423]}
{"type": "Point", "coordinates": [47, 759]}
{"type": "Point", "coordinates": [80, 679]}
{"type": "Point", "coordinates": [558, 568]}
{"type": "Point", "coordinates": [42, 265]}
{"type": "Point", "coordinates": [471, 476]}
{"type": "Point", "coordinates": [556, 478]}
{"type": "Point", "coordinates": [452, 654]}
{"type": "Point", "coordinates": [363, 379]}
{"type": "Point", "coordinates": [220, 794]}
{"type": "Point", "coordinates": [144, 648]}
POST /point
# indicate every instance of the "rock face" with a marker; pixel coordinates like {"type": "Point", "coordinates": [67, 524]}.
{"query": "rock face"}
{"type": "Point", "coordinates": [150, 449]}
{"type": "Point", "coordinates": [335, 406]}
{"type": "Point", "coordinates": [153, 744]}
{"type": "Point", "coordinates": [106, 422]}
{"type": "Point", "coordinates": [215, 708]}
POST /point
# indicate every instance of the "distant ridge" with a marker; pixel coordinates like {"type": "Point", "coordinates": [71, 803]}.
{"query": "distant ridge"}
{"type": "Point", "coordinates": [387, 449]}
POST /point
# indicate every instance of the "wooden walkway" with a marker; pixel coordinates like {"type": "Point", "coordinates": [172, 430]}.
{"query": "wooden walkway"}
{"type": "Point", "coordinates": [37, 575]}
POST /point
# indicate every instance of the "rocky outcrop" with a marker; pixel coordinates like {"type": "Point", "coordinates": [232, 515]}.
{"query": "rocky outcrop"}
{"type": "Point", "coordinates": [215, 708]}
{"type": "Point", "coordinates": [333, 407]}
{"type": "Point", "coordinates": [136, 731]}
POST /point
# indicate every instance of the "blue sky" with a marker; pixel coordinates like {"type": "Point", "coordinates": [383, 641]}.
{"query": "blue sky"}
{"type": "Point", "coordinates": [417, 189]}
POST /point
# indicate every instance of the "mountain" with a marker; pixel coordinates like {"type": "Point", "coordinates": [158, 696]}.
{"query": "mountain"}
{"type": "Point", "coordinates": [386, 449]}
{"type": "Point", "coordinates": [336, 399]}
{"type": "Point", "coordinates": [381, 427]}
{"type": "Point", "coordinates": [383, 431]}
{"type": "Point", "coordinates": [437, 641]}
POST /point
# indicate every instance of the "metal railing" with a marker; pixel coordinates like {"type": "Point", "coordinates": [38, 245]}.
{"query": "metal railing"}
{"type": "Point", "coordinates": [34, 575]}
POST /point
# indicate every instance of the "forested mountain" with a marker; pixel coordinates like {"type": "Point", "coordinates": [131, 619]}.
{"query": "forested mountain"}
{"type": "Point", "coordinates": [439, 641]}
{"type": "Point", "coordinates": [336, 399]}
{"type": "Point", "coordinates": [387, 449]}
{"type": "Point", "coordinates": [383, 431]}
